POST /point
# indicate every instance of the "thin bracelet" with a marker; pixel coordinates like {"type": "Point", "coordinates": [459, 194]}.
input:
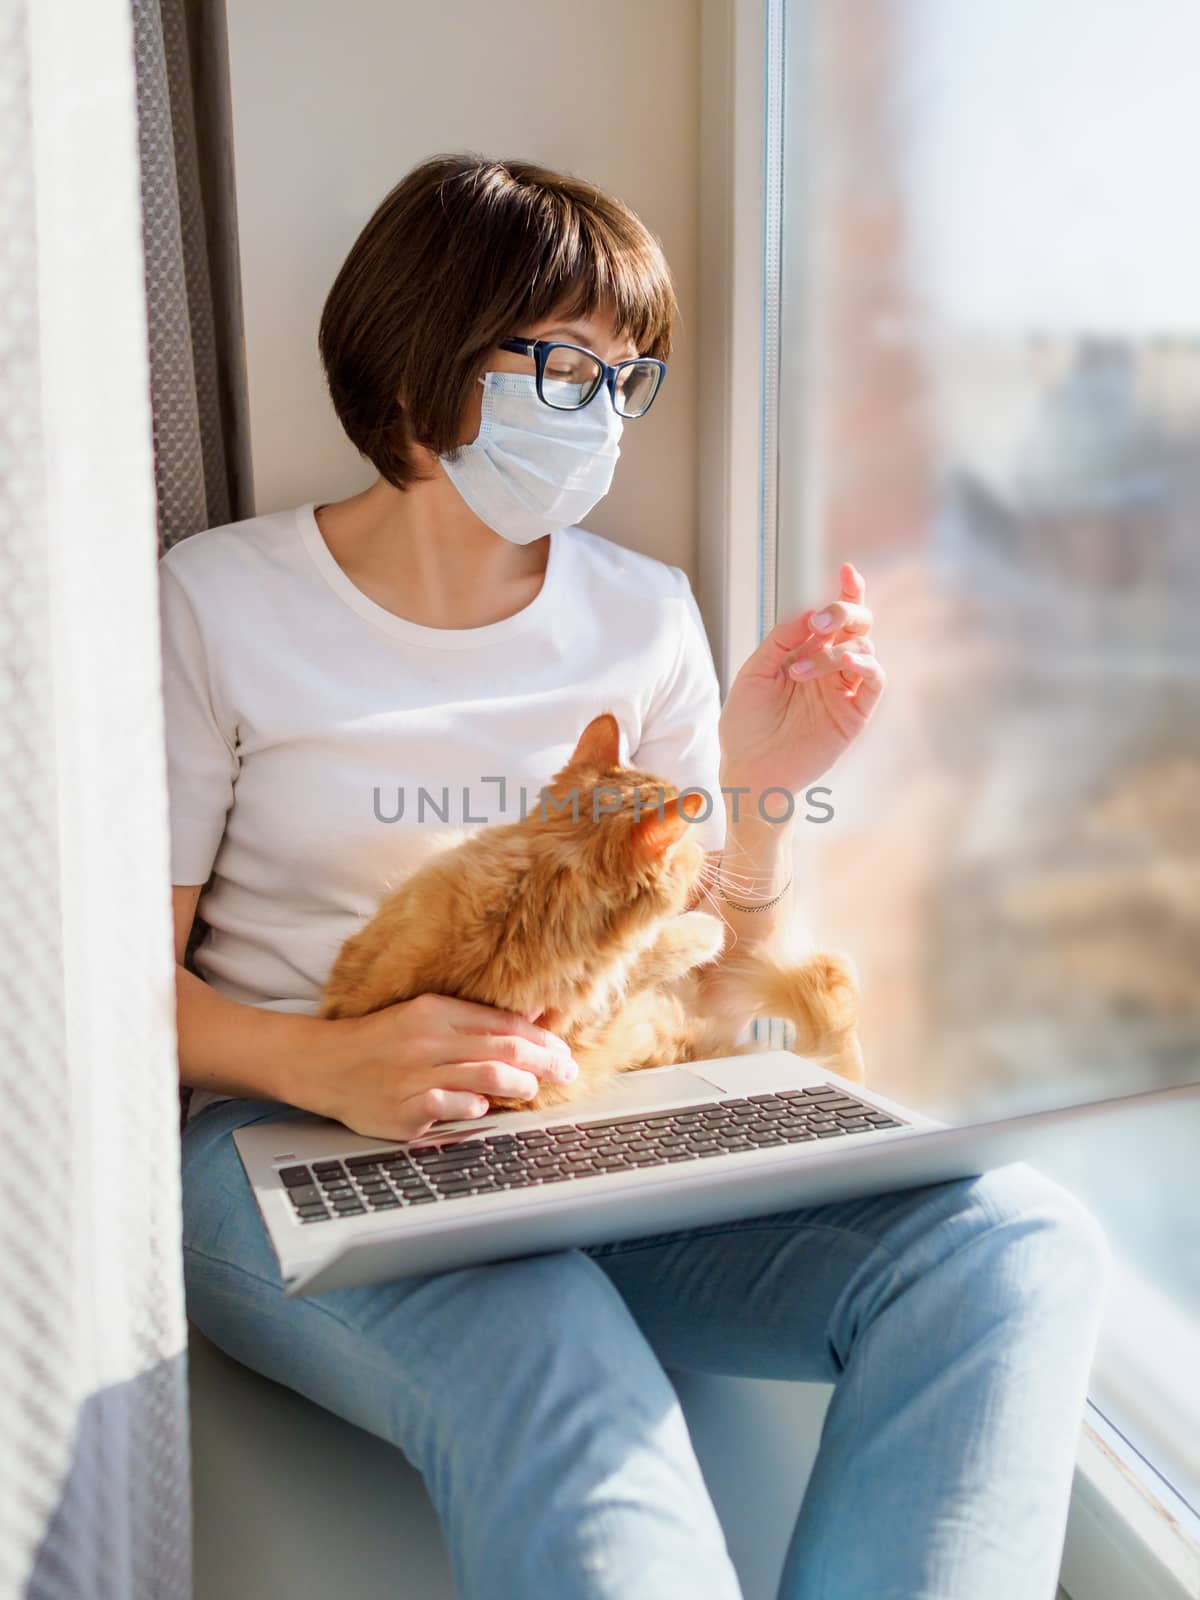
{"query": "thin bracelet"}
{"type": "Point", "coordinates": [738, 905]}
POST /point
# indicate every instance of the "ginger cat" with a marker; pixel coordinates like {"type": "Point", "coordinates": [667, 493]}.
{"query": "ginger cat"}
{"type": "Point", "coordinates": [580, 912]}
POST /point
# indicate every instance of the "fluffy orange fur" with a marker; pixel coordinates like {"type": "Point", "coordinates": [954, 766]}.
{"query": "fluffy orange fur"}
{"type": "Point", "coordinates": [579, 910]}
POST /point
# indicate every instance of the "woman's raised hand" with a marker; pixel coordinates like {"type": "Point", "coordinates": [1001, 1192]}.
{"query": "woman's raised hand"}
{"type": "Point", "coordinates": [436, 1059]}
{"type": "Point", "coordinates": [804, 695]}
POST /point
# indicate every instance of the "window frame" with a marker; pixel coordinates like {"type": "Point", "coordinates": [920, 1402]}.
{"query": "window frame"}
{"type": "Point", "coordinates": [732, 586]}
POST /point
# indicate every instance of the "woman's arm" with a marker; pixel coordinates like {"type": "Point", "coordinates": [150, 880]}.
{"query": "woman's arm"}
{"type": "Point", "coordinates": [243, 1050]}
{"type": "Point", "coordinates": [801, 699]}
{"type": "Point", "coordinates": [392, 1074]}
{"type": "Point", "coordinates": [805, 694]}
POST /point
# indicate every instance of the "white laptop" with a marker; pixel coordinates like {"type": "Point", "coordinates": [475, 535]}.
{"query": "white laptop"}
{"type": "Point", "coordinates": [665, 1148]}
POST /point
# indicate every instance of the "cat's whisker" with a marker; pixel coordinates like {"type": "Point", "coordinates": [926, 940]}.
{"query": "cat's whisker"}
{"type": "Point", "coordinates": [734, 864]}
{"type": "Point", "coordinates": [713, 872]}
{"type": "Point", "coordinates": [743, 880]}
{"type": "Point", "coordinates": [712, 892]}
{"type": "Point", "coordinates": [711, 887]}
{"type": "Point", "coordinates": [748, 882]}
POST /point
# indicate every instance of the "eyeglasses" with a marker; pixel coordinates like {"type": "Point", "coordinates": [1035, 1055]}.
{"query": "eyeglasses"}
{"type": "Point", "coordinates": [568, 376]}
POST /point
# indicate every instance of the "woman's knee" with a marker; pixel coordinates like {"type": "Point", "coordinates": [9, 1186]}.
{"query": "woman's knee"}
{"type": "Point", "coordinates": [1035, 1240]}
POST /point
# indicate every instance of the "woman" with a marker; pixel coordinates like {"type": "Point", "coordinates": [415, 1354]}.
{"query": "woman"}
{"type": "Point", "coordinates": [446, 629]}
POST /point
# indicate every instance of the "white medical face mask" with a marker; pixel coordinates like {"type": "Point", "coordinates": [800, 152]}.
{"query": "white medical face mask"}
{"type": "Point", "coordinates": [533, 469]}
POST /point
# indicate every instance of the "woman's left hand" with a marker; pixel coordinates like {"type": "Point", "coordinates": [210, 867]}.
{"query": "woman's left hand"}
{"type": "Point", "coordinates": [805, 694]}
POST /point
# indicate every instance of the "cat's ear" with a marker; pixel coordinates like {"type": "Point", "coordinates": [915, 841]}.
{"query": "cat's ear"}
{"type": "Point", "coordinates": [654, 835]}
{"type": "Point", "coordinates": [599, 743]}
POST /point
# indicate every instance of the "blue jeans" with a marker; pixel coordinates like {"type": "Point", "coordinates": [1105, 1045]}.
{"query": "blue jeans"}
{"type": "Point", "coordinates": [956, 1321]}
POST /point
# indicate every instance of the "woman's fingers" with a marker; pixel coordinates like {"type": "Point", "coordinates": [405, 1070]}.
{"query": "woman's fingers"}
{"type": "Point", "coordinates": [486, 1033]}
{"type": "Point", "coordinates": [470, 1017]}
{"type": "Point", "coordinates": [827, 658]}
{"type": "Point", "coordinates": [450, 1032]}
{"type": "Point", "coordinates": [800, 631]}
{"type": "Point", "coordinates": [515, 1051]}
{"type": "Point", "coordinates": [854, 659]}
{"type": "Point", "coordinates": [442, 1105]}
{"type": "Point", "coordinates": [842, 616]}
{"type": "Point", "coordinates": [854, 585]}
{"type": "Point", "coordinates": [794, 633]}
{"type": "Point", "coordinates": [871, 686]}
{"type": "Point", "coordinates": [496, 1078]}
{"type": "Point", "coordinates": [468, 1091]}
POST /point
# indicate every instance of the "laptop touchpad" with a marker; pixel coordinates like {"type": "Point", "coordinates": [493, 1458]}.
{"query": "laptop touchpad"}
{"type": "Point", "coordinates": [635, 1090]}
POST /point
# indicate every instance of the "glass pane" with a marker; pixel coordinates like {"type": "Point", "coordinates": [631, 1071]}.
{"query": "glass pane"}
{"type": "Point", "coordinates": [635, 387]}
{"type": "Point", "coordinates": [990, 361]}
{"type": "Point", "coordinates": [570, 376]}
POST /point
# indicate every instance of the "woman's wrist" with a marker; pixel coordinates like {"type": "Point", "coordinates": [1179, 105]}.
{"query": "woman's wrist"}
{"type": "Point", "coordinates": [756, 860]}
{"type": "Point", "coordinates": [324, 1050]}
{"type": "Point", "coordinates": [255, 1052]}
{"type": "Point", "coordinates": [758, 830]}
{"type": "Point", "coordinates": [755, 868]}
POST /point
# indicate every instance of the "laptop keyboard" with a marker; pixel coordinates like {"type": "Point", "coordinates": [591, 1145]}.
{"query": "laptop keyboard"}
{"type": "Point", "coordinates": [428, 1173]}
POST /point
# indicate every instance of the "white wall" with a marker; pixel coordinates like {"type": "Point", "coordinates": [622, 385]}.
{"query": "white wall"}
{"type": "Point", "coordinates": [334, 100]}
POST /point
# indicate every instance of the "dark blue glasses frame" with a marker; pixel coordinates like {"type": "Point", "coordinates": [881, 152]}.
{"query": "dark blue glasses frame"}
{"type": "Point", "coordinates": [540, 350]}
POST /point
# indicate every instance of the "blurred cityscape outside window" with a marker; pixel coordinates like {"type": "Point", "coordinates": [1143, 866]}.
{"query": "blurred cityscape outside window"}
{"type": "Point", "coordinates": [990, 402]}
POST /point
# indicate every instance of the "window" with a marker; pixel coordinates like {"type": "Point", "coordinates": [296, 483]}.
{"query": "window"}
{"type": "Point", "coordinates": [989, 399]}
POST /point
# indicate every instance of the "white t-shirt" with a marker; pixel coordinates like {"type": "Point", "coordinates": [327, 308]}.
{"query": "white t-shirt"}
{"type": "Point", "coordinates": [303, 722]}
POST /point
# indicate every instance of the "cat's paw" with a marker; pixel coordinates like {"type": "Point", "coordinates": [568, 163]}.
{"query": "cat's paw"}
{"type": "Point", "coordinates": [702, 935]}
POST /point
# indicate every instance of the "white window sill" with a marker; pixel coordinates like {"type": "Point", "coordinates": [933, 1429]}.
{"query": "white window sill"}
{"type": "Point", "coordinates": [1129, 1536]}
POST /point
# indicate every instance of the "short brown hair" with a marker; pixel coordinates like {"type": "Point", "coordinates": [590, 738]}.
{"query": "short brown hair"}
{"type": "Point", "coordinates": [462, 253]}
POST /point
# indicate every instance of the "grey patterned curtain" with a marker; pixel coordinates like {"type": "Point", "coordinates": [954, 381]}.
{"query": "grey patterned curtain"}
{"type": "Point", "coordinates": [193, 285]}
{"type": "Point", "coordinates": [193, 282]}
